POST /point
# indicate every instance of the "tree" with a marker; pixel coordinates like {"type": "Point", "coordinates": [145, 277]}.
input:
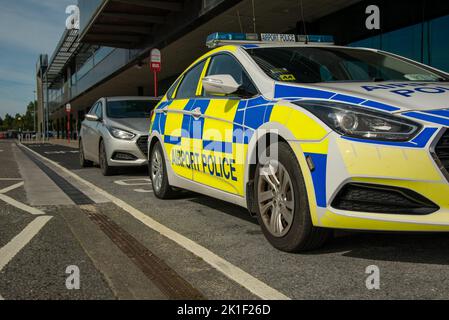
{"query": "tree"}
{"type": "Point", "coordinates": [28, 117]}
{"type": "Point", "coordinates": [18, 122]}
{"type": "Point", "coordinates": [25, 122]}
{"type": "Point", "coordinates": [8, 122]}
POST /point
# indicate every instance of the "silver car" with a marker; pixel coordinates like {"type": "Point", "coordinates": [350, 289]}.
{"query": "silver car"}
{"type": "Point", "coordinates": [115, 133]}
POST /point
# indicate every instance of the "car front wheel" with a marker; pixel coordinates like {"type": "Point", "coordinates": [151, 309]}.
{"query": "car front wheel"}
{"type": "Point", "coordinates": [283, 209]}
{"type": "Point", "coordinates": [83, 162]}
{"type": "Point", "coordinates": [158, 174]}
{"type": "Point", "coordinates": [106, 169]}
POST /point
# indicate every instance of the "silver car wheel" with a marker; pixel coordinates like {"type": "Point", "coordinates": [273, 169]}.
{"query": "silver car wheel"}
{"type": "Point", "coordinates": [157, 170]}
{"type": "Point", "coordinates": [275, 198]}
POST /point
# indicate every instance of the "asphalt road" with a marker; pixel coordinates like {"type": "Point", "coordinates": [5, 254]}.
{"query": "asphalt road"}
{"type": "Point", "coordinates": [410, 265]}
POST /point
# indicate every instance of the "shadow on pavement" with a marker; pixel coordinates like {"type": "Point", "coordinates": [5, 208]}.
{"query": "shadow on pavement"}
{"type": "Point", "coordinates": [397, 247]}
{"type": "Point", "coordinates": [225, 207]}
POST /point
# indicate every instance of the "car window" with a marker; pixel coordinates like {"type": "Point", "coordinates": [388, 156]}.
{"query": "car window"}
{"type": "Point", "coordinates": [93, 109]}
{"type": "Point", "coordinates": [226, 64]}
{"type": "Point", "coordinates": [130, 108]}
{"type": "Point", "coordinates": [172, 89]}
{"type": "Point", "coordinates": [309, 65]}
{"type": "Point", "coordinates": [189, 84]}
{"type": "Point", "coordinates": [99, 110]}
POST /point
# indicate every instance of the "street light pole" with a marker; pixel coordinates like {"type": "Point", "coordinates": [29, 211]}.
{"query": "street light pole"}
{"type": "Point", "coordinates": [47, 111]}
{"type": "Point", "coordinates": [19, 119]}
{"type": "Point", "coordinates": [34, 113]}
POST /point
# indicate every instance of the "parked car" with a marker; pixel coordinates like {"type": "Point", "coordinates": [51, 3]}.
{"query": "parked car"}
{"type": "Point", "coordinates": [115, 133]}
{"type": "Point", "coordinates": [357, 138]}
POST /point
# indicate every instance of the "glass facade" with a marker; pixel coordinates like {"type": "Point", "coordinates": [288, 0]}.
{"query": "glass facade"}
{"type": "Point", "coordinates": [426, 42]}
{"type": "Point", "coordinates": [439, 44]}
{"type": "Point", "coordinates": [99, 55]}
{"type": "Point", "coordinates": [62, 92]}
{"type": "Point", "coordinates": [90, 63]}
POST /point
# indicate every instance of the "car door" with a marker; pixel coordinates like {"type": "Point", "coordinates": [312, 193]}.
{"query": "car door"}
{"type": "Point", "coordinates": [87, 134]}
{"type": "Point", "coordinates": [222, 146]}
{"type": "Point", "coordinates": [97, 130]}
{"type": "Point", "coordinates": [175, 122]}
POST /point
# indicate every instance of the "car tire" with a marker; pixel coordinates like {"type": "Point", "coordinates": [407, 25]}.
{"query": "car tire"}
{"type": "Point", "coordinates": [83, 162]}
{"type": "Point", "coordinates": [284, 214]}
{"type": "Point", "coordinates": [106, 169]}
{"type": "Point", "coordinates": [158, 174]}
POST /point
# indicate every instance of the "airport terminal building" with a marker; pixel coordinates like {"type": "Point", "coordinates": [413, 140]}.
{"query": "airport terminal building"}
{"type": "Point", "coordinates": [109, 54]}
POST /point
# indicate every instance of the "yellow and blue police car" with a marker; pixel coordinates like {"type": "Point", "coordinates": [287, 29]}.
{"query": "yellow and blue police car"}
{"type": "Point", "coordinates": [308, 136]}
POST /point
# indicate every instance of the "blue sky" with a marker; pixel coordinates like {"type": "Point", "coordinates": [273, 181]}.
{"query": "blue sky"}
{"type": "Point", "coordinates": [27, 28]}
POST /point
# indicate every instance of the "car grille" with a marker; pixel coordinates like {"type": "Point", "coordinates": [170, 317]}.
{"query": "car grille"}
{"type": "Point", "coordinates": [382, 199]}
{"type": "Point", "coordinates": [442, 152]}
{"type": "Point", "coordinates": [142, 143]}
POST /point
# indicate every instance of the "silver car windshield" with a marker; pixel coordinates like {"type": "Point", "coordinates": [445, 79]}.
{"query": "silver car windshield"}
{"type": "Point", "coordinates": [314, 64]}
{"type": "Point", "coordinates": [129, 108]}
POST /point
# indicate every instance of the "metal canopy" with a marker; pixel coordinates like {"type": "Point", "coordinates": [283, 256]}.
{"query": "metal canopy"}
{"type": "Point", "coordinates": [67, 47]}
{"type": "Point", "coordinates": [128, 23]}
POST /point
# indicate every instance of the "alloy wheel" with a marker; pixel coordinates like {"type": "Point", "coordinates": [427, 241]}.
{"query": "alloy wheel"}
{"type": "Point", "coordinates": [157, 170]}
{"type": "Point", "coordinates": [276, 198]}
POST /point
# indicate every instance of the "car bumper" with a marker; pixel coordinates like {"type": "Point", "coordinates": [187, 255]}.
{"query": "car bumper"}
{"type": "Point", "coordinates": [411, 169]}
{"type": "Point", "coordinates": [123, 153]}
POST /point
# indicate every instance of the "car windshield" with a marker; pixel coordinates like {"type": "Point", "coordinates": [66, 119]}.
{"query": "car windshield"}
{"type": "Point", "coordinates": [313, 64]}
{"type": "Point", "coordinates": [130, 108]}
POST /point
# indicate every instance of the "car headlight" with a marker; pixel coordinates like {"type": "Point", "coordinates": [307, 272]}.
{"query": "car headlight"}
{"type": "Point", "coordinates": [359, 122]}
{"type": "Point", "coordinates": [121, 134]}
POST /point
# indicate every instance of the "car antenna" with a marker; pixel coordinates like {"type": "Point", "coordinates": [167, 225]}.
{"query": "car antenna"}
{"type": "Point", "coordinates": [301, 10]}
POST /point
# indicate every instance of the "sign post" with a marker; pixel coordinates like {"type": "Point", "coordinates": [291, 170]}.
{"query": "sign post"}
{"type": "Point", "coordinates": [155, 66]}
{"type": "Point", "coordinates": [68, 109]}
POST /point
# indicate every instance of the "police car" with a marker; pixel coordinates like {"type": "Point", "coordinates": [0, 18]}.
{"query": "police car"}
{"type": "Point", "coordinates": [308, 136]}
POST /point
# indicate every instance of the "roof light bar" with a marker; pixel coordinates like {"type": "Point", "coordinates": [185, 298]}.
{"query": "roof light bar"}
{"type": "Point", "coordinates": [223, 38]}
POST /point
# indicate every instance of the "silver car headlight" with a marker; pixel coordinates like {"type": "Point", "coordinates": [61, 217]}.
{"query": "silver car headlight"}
{"type": "Point", "coordinates": [359, 122]}
{"type": "Point", "coordinates": [121, 134]}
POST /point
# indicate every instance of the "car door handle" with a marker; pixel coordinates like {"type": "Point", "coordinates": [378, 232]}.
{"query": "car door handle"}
{"type": "Point", "coordinates": [196, 113]}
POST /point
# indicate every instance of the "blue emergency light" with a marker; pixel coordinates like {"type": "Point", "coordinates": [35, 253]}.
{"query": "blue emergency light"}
{"type": "Point", "coordinates": [317, 38]}
{"type": "Point", "coordinates": [222, 38]}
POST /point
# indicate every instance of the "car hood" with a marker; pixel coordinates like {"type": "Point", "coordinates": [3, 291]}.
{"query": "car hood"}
{"type": "Point", "coordinates": [403, 95]}
{"type": "Point", "coordinates": [140, 125]}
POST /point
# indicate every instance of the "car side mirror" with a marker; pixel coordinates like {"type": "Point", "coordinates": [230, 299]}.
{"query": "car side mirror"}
{"type": "Point", "coordinates": [220, 84]}
{"type": "Point", "coordinates": [92, 117]}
